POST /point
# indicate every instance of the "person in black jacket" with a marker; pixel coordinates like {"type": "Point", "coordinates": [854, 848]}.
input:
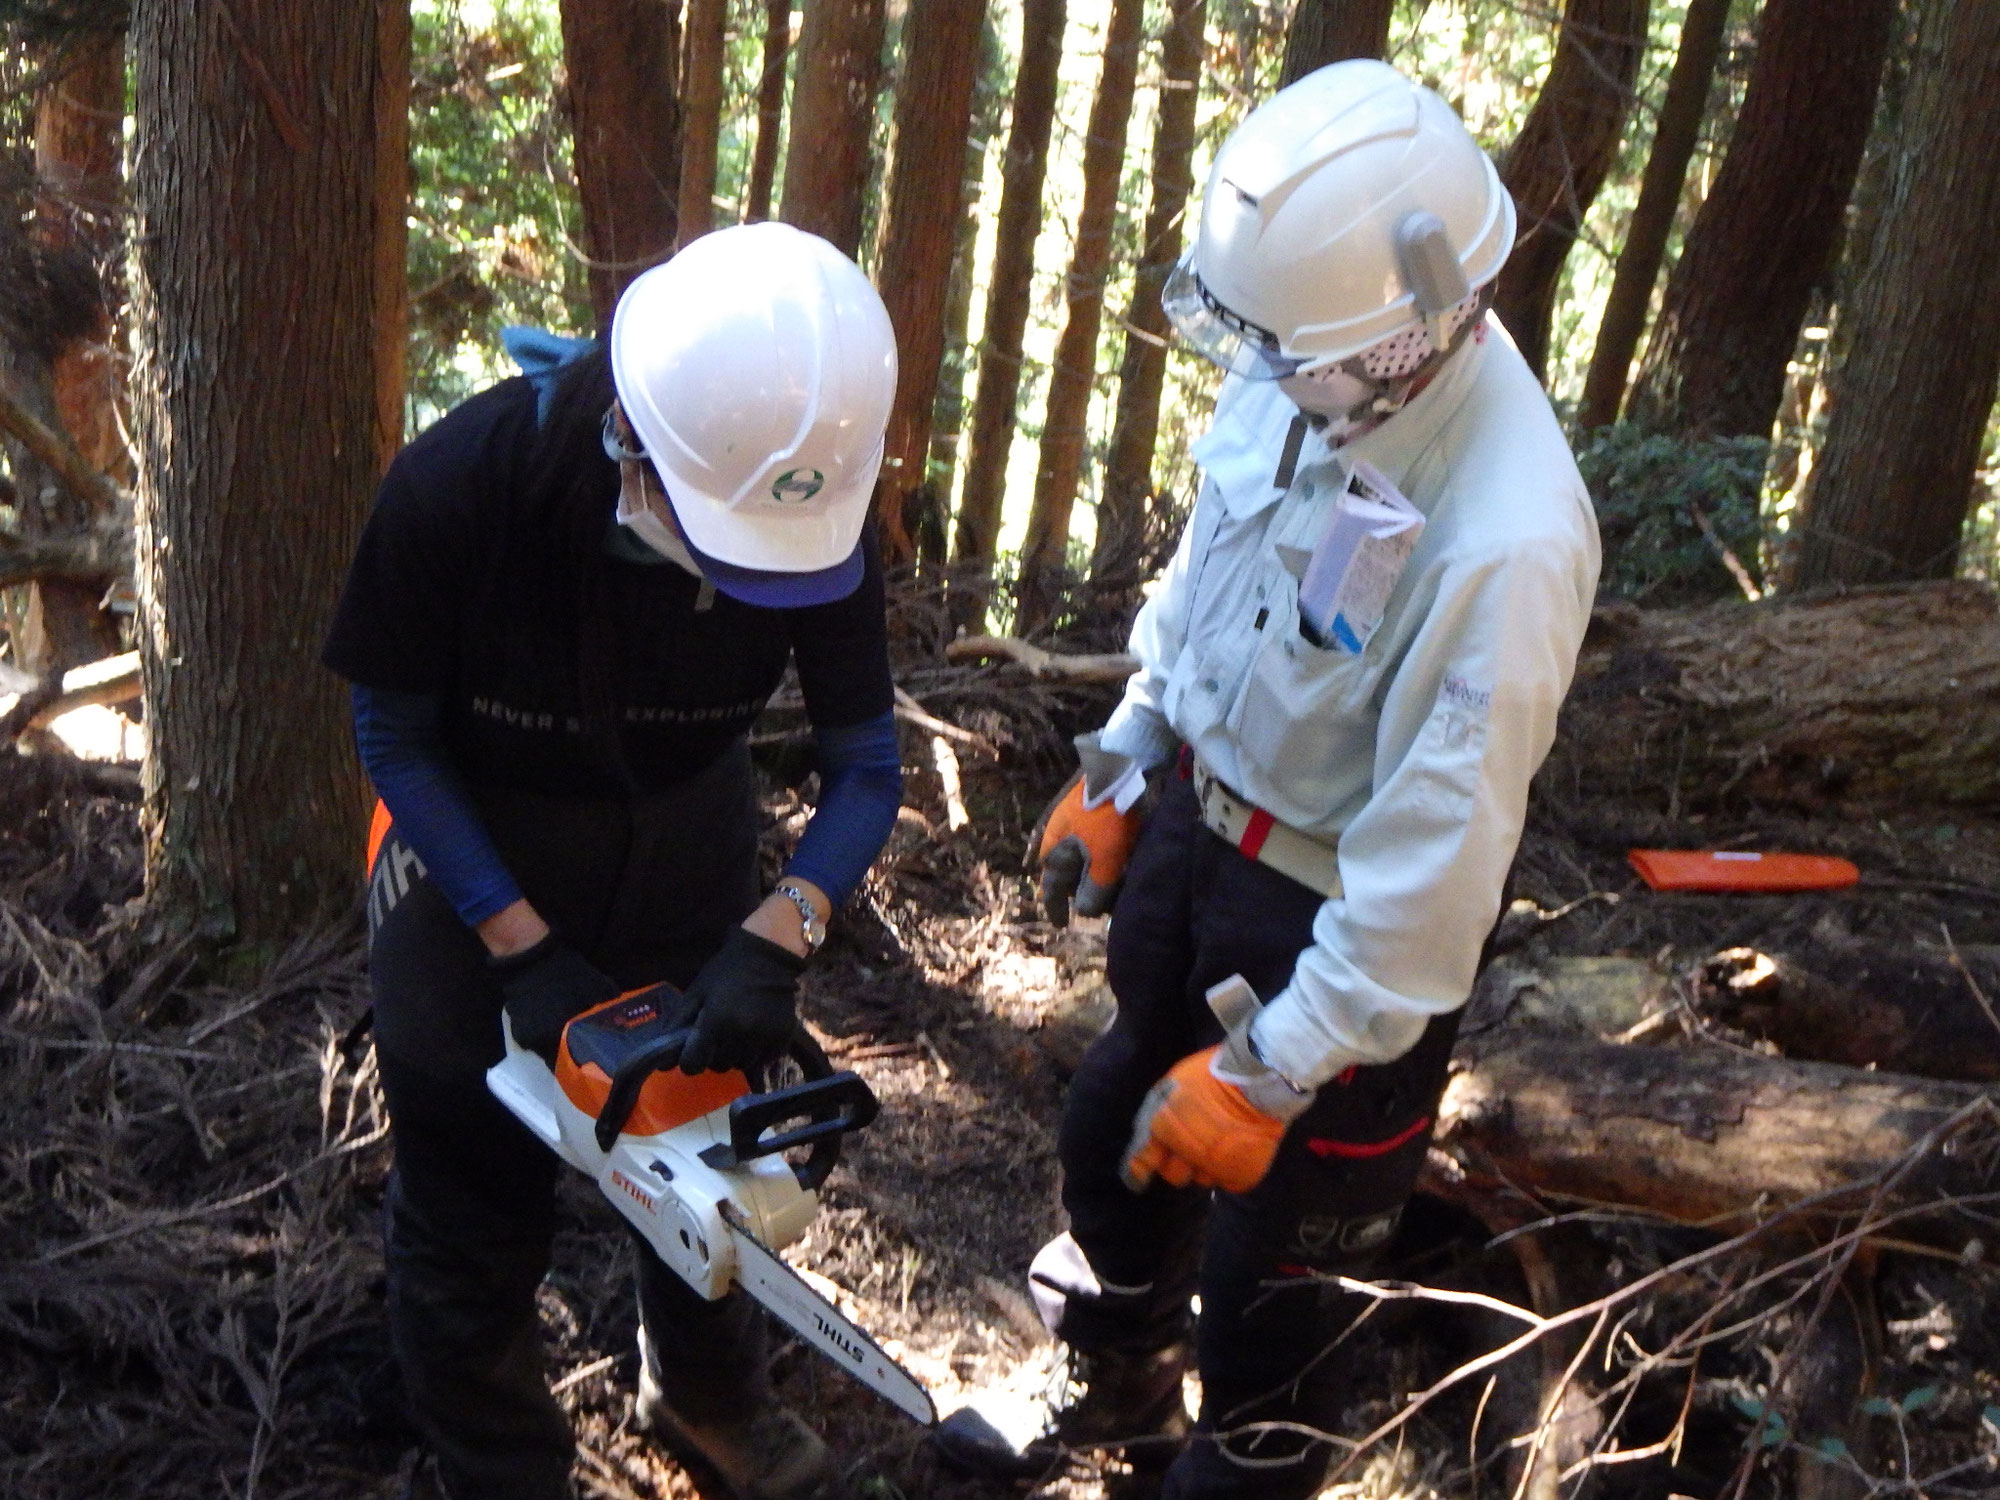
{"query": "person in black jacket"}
{"type": "Point", "coordinates": [575, 593]}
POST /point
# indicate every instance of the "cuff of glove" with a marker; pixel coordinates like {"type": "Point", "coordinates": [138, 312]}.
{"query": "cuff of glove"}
{"type": "Point", "coordinates": [520, 962]}
{"type": "Point", "coordinates": [1266, 1089]}
{"type": "Point", "coordinates": [1146, 739]}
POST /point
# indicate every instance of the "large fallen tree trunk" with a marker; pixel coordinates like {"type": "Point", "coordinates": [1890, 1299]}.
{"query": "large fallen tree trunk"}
{"type": "Point", "coordinates": [1876, 698]}
{"type": "Point", "coordinates": [1721, 1138]}
{"type": "Point", "coordinates": [1832, 998]}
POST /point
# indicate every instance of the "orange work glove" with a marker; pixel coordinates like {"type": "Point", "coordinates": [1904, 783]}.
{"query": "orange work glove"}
{"type": "Point", "coordinates": [1082, 851]}
{"type": "Point", "coordinates": [1198, 1128]}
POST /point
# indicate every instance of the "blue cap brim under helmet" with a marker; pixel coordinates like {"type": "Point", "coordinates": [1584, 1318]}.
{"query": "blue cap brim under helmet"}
{"type": "Point", "coordinates": [768, 590]}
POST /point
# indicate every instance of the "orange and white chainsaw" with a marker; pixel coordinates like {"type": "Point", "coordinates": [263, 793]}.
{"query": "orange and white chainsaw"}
{"type": "Point", "coordinates": [698, 1163]}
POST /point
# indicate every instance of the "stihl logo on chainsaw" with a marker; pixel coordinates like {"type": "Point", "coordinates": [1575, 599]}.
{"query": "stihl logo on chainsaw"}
{"type": "Point", "coordinates": [838, 1338]}
{"type": "Point", "coordinates": [632, 1190]}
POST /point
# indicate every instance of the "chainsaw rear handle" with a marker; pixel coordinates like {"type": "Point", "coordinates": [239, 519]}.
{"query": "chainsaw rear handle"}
{"type": "Point", "coordinates": [832, 1104]}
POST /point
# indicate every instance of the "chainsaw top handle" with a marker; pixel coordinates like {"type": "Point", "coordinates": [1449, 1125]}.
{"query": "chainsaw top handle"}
{"type": "Point", "coordinates": [828, 1104]}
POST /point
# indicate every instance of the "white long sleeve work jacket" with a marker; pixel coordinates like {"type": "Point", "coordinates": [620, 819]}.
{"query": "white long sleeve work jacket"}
{"type": "Point", "coordinates": [1416, 754]}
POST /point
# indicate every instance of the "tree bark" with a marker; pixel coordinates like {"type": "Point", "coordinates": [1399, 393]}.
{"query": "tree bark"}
{"type": "Point", "coordinates": [701, 115]}
{"type": "Point", "coordinates": [1765, 237]}
{"type": "Point", "coordinates": [1118, 555]}
{"type": "Point", "coordinates": [1044, 551]}
{"type": "Point", "coordinates": [830, 155]}
{"type": "Point", "coordinates": [1331, 31]}
{"type": "Point", "coordinates": [1675, 135]}
{"type": "Point", "coordinates": [255, 400]}
{"type": "Point", "coordinates": [1846, 1000]}
{"type": "Point", "coordinates": [1877, 699]}
{"type": "Point", "coordinates": [1893, 484]}
{"type": "Point", "coordinates": [620, 58]}
{"type": "Point", "coordinates": [1560, 159]}
{"type": "Point", "coordinates": [1011, 289]}
{"type": "Point", "coordinates": [79, 134]}
{"type": "Point", "coordinates": [392, 228]}
{"type": "Point", "coordinates": [918, 239]}
{"type": "Point", "coordinates": [1704, 1137]}
{"type": "Point", "coordinates": [948, 409]}
{"type": "Point", "coordinates": [770, 109]}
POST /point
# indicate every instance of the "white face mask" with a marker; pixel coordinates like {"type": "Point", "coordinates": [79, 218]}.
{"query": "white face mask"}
{"type": "Point", "coordinates": [638, 512]}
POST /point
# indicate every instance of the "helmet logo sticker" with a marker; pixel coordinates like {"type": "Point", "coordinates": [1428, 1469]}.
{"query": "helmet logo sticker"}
{"type": "Point", "coordinates": [796, 486]}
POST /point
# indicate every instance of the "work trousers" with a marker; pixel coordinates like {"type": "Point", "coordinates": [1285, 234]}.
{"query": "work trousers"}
{"type": "Point", "coordinates": [1194, 911]}
{"type": "Point", "coordinates": [646, 889]}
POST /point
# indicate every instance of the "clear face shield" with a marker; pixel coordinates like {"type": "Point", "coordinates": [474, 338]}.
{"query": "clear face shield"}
{"type": "Point", "coordinates": [1217, 334]}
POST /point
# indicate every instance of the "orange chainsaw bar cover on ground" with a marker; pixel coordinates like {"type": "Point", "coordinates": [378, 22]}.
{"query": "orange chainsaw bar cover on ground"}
{"type": "Point", "coordinates": [1724, 870]}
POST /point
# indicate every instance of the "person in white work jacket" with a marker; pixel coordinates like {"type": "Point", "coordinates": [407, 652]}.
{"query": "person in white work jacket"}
{"type": "Point", "coordinates": [1339, 762]}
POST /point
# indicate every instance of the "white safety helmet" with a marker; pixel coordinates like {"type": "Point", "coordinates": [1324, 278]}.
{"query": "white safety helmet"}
{"type": "Point", "coordinates": [1350, 225]}
{"type": "Point", "coordinates": [756, 368]}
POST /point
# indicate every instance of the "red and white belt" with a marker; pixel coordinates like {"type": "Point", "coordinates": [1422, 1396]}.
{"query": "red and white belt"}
{"type": "Point", "coordinates": [1313, 862]}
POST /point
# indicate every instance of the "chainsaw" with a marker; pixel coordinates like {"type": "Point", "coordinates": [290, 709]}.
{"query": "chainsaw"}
{"type": "Point", "coordinates": [699, 1165]}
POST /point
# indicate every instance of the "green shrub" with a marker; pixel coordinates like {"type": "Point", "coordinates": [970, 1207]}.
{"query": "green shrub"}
{"type": "Point", "coordinates": [1648, 487]}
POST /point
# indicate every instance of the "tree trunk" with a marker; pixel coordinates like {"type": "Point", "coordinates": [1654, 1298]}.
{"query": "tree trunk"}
{"type": "Point", "coordinates": [1011, 289]}
{"type": "Point", "coordinates": [392, 228]}
{"type": "Point", "coordinates": [620, 57]}
{"type": "Point", "coordinates": [1331, 31]}
{"type": "Point", "coordinates": [1675, 135]}
{"type": "Point", "coordinates": [1117, 558]}
{"type": "Point", "coordinates": [254, 295]}
{"type": "Point", "coordinates": [1073, 372]}
{"type": "Point", "coordinates": [1890, 491]}
{"type": "Point", "coordinates": [948, 409]}
{"type": "Point", "coordinates": [79, 132]}
{"type": "Point", "coordinates": [919, 236]}
{"type": "Point", "coordinates": [770, 109]}
{"type": "Point", "coordinates": [701, 114]}
{"type": "Point", "coordinates": [830, 157]}
{"type": "Point", "coordinates": [1834, 998]}
{"type": "Point", "coordinates": [1708, 1137]}
{"type": "Point", "coordinates": [1873, 700]}
{"type": "Point", "coordinates": [1764, 239]}
{"type": "Point", "coordinates": [1560, 159]}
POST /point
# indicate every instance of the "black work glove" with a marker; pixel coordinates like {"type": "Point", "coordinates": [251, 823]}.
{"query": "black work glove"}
{"type": "Point", "coordinates": [745, 1004]}
{"type": "Point", "coordinates": [545, 988]}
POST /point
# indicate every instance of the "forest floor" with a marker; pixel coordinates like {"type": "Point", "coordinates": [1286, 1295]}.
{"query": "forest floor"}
{"type": "Point", "coordinates": [191, 1171]}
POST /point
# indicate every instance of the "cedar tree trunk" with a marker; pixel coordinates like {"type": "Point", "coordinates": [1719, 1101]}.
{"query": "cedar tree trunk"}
{"type": "Point", "coordinates": [392, 227]}
{"type": "Point", "coordinates": [948, 410]}
{"type": "Point", "coordinates": [1074, 369]}
{"type": "Point", "coordinates": [770, 108]}
{"type": "Point", "coordinates": [1557, 164]}
{"type": "Point", "coordinates": [701, 114]}
{"type": "Point", "coordinates": [253, 295]}
{"type": "Point", "coordinates": [1331, 31]}
{"type": "Point", "coordinates": [1010, 291]}
{"type": "Point", "coordinates": [919, 236]}
{"type": "Point", "coordinates": [620, 56]}
{"type": "Point", "coordinates": [1118, 554]}
{"type": "Point", "coordinates": [828, 161]}
{"type": "Point", "coordinates": [1674, 137]}
{"type": "Point", "coordinates": [1889, 494]}
{"type": "Point", "coordinates": [75, 377]}
{"type": "Point", "coordinates": [1765, 237]}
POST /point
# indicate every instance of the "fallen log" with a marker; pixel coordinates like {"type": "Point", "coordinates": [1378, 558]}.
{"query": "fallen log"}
{"type": "Point", "coordinates": [1904, 1009]}
{"type": "Point", "coordinates": [113, 680]}
{"type": "Point", "coordinates": [1876, 698]}
{"type": "Point", "coordinates": [1717, 1137]}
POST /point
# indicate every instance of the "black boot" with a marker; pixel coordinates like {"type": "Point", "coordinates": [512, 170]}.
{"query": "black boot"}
{"type": "Point", "coordinates": [763, 1451]}
{"type": "Point", "coordinates": [1124, 1403]}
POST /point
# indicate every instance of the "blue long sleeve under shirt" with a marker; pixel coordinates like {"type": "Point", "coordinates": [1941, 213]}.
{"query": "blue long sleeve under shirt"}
{"type": "Point", "coordinates": [401, 743]}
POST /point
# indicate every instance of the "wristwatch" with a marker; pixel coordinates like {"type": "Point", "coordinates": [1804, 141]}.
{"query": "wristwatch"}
{"type": "Point", "coordinates": [811, 929]}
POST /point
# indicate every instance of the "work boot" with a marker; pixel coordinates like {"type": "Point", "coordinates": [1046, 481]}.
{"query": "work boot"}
{"type": "Point", "coordinates": [764, 1453]}
{"type": "Point", "coordinates": [1126, 1403]}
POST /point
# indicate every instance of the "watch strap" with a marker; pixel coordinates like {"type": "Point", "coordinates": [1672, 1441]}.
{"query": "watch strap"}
{"type": "Point", "coordinates": [810, 927]}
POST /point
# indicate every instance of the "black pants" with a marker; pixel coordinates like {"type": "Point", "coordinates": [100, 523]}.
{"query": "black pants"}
{"type": "Point", "coordinates": [646, 890]}
{"type": "Point", "coordinates": [1193, 911]}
